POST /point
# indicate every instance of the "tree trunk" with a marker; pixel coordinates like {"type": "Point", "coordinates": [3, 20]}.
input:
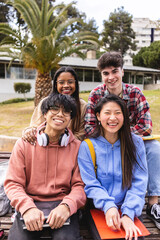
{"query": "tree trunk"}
{"type": "Point", "coordinates": [43, 87]}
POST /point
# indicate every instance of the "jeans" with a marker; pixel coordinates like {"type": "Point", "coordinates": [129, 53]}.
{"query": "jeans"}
{"type": "Point", "coordinates": [153, 159]}
{"type": "Point", "coordinates": [66, 232]}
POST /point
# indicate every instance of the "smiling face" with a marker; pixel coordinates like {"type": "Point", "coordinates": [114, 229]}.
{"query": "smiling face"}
{"type": "Point", "coordinates": [111, 119]}
{"type": "Point", "coordinates": [56, 121]}
{"type": "Point", "coordinates": [66, 83]}
{"type": "Point", "coordinates": [112, 77]}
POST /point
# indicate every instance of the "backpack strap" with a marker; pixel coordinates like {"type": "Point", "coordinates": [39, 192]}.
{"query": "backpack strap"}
{"type": "Point", "coordinates": [92, 152]}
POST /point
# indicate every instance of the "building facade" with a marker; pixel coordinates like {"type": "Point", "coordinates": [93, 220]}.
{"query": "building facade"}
{"type": "Point", "coordinates": [147, 31]}
{"type": "Point", "coordinates": [88, 75]}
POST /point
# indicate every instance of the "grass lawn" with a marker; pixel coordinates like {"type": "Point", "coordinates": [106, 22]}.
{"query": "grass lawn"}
{"type": "Point", "coordinates": [153, 97]}
{"type": "Point", "coordinates": [16, 116]}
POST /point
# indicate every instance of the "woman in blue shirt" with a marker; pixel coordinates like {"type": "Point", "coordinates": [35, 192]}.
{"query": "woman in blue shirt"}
{"type": "Point", "coordinates": [121, 179]}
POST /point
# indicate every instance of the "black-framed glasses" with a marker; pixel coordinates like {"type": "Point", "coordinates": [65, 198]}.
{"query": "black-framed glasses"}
{"type": "Point", "coordinates": [63, 82]}
{"type": "Point", "coordinates": [55, 110]}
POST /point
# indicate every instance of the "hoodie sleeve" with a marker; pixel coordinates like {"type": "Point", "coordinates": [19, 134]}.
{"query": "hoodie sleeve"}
{"type": "Point", "coordinates": [15, 181]}
{"type": "Point", "coordinates": [135, 196]}
{"type": "Point", "coordinates": [77, 197]}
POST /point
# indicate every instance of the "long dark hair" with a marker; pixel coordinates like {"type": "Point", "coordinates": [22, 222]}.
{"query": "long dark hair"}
{"type": "Point", "coordinates": [75, 125]}
{"type": "Point", "coordinates": [128, 149]}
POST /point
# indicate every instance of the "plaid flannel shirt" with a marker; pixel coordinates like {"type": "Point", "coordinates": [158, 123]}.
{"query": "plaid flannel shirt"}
{"type": "Point", "coordinates": [138, 108]}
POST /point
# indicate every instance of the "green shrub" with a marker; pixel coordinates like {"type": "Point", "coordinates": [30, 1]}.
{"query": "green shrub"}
{"type": "Point", "coordinates": [22, 88]}
{"type": "Point", "coordinates": [16, 100]}
{"type": "Point", "coordinates": [85, 91]}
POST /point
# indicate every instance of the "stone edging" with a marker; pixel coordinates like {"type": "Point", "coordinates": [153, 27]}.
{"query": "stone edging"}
{"type": "Point", "coordinates": [7, 143]}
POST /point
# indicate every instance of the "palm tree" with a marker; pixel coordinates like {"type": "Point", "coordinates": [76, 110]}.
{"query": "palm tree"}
{"type": "Point", "coordinates": [44, 44]}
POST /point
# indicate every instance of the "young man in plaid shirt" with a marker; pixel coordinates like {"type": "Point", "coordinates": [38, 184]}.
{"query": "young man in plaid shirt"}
{"type": "Point", "coordinates": [110, 65]}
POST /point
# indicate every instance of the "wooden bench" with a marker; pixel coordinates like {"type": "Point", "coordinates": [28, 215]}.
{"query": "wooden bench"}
{"type": "Point", "coordinates": [5, 221]}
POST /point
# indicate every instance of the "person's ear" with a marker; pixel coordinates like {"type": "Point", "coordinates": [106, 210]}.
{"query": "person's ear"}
{"type": "Point", "coordinates": [45, 116]}
{"type": "Point", "coordinates": [98, 116]}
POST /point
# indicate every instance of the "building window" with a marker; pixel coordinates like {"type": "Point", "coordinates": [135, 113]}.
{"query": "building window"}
{"type": "Point", "coordinates": [144, 35]}
{"type": "Point", "coordinates": [133, 79]}
{"type": "Point", "coordinates": [29, 73]}
{"type": "Point", "coordinates": [139, 79]}
{"type": "Point", "coordinates": [88, 75]}
{"type": "Point", "coordinates": [97, 76]}
{"type": "Point", "coordinates": [15, 72]}
{"type": "Point", "coordinates": [2, 70]}
{"type": "Point", "coordinates": [19, 72]}
{"type": "Point", "coordinates": [126, 77]}
{"type": "Point", "coordinates": [79, 74]}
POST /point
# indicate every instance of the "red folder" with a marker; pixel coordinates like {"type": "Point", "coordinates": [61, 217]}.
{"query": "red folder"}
{"type": "Point", "coordinates": [106, 233]}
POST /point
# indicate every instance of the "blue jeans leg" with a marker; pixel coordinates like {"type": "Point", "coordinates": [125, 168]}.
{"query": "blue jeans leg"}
{"type": "Point", "coordinates": [153, 160]}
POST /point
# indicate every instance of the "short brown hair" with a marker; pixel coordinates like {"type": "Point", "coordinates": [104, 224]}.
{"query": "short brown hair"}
{"type": "Point", "coordinates": [109, 59]}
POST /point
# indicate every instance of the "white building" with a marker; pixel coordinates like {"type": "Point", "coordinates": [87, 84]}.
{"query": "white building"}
{"type": "Point", "coordinates": [88, 75]}
{"type": "Point", "coordinates": [146, 31]}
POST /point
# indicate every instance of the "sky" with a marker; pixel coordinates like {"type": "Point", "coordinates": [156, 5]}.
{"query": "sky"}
{"type": "Point", "coordinates": [101, 9]}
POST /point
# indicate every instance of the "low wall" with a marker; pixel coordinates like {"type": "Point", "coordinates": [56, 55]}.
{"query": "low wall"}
{"type": "Point", "coordinates": [7, 143]}
{"type": "Point", "coordinates": [151, 86]}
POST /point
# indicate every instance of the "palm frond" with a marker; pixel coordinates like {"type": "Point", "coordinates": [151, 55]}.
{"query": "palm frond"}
{"type": "Point", "coordinates": [47, 44]}
{"type": "Point", "coordinates": [29, 12]}
{"type": "Point", "coordinates": [44, 19]}
{"type": "Point", "coordinates": [62, 15]}
{"type": "Point", "coordinates": [87, 34]}
{"type": "Point", "coordinates": [52, 10]}
{"type": "Point", "coordinates": [5, 52]}
{"type": "Point", "coordinates": [60, 18]}
{"type": "Point", "coordinates": [74, 50]}
{"type": "Point", "coordinates": [8, 31]}
{"type": "Point", "coordinates": [61, 27]}
{"type": "Point", "coordinates": [8, 41]}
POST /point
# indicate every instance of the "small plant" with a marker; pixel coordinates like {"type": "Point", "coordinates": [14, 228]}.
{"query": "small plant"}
{"type": "Point", "coordinates": [22, 88]}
